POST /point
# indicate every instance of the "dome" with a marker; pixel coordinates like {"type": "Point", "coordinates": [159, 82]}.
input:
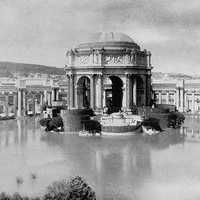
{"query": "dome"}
{"type": "Point", "coordinates": [108, 39]}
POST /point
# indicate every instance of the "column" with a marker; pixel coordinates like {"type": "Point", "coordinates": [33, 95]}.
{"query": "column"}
{"type": "Point", "coordinates": [57, 94]}
{"type": "Point", "coordinates": [35, 106]}
{"type": "Point", "coordinates": [15, 103]}
{"type": "Point", "coordinates": [181, 99]}
{"type": "Point", "coordinates": [98, 92]}
{"type": "Point", "coordinates": [101, 57]}
{"type": "Point", "coordinates": [76, 92]}
{"type": "Point", "coordinates": [41, 99]}
{"type": "Point", "coordinates": [159, 97]}
{"type": "Point", "coordinates": [124, 92]}
{"type": "Point", "coordinates": [68, 91]}
{"type": "Point", "coordinates": [19, 111]}
{"type": "Point", "coordinates": [24, 102]}
{"type": "Point", "coordinates": [177, 98]}
{"type": "Point", "coordinates": [127, 91]}
{"type": "Point", "coordinates": [71, 91]}
{"type": "Point", "coordinates": [134, 91]}
{"type": "Point", "coordinates": [135, 58]}
{"type": "Point", "coordinates": [101, 90]}
{"type": "Point", "coordinates": [53, 95]}
{"type": "Point", "coordinates": [104, 98]}
{"type": "Point", "coordinates": [45, 96]}
{"type": "Point", "coordinates": [193, 103]}
{"type": "Point", "coordinates": [6, 105]}
{"type": "Point", "coordinates": [149, 90]}
{"type": "Point", "coordinates": [92, 91]}
{"type": "Point", "coordinates": [167, 98]}
{"type": "Point", "coordinates": [76, 96]}
{"type": "Point", "coordinates": [185, 101]}
{"type": "Point", "coordinates": [49, 98]}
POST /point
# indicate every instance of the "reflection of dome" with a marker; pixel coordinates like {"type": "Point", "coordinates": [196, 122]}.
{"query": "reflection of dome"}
{"type": "Point", "coordinates": [108, 39]}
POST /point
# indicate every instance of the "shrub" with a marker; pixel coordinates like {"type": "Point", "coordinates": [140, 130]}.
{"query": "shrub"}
{"type": "Point", "coordinates": [152, 122]}
{"type": "Point", "coordinates": [74, 189]}
{"type": "Point", "coordinates": [92, 126]}
{"type": "Point", "coordinates": [175, 119]}
{"type": "Point", "coordinates": [4, 196]}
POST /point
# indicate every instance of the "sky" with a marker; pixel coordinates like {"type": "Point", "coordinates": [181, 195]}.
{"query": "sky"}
{"type": "Point", "coordinates": [41, 31]}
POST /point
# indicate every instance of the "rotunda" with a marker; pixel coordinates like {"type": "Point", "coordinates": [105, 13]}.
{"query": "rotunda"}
{"type": "Point", "coordinates": [109, 70]}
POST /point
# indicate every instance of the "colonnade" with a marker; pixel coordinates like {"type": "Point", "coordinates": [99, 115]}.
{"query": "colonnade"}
{"type": "Point", "coordinates": [35, 99]}
{"type": "Point", "coordinates": [183, 100]}
{"type": "Point", "coordinates": [98, 90]}
{"type": "Point", "coordinates": [25, 101]}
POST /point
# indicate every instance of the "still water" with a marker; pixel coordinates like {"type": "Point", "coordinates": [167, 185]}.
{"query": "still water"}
{"type": "Point", "coordinates": [123, 167]}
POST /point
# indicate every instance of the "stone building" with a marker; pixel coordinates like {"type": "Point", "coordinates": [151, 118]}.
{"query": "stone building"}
{"type": "Point", "coordinates": [110, 70]}
{"type": "Point", "coordinates": [184, 94]}
{"type": "Point", "coordinates": [25, 96]}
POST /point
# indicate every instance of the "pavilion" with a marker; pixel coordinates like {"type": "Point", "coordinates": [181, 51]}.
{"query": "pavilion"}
{"type": "Point", "coordinates": [108, 70]}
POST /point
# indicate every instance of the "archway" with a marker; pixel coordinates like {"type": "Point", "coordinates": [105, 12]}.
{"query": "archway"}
{"type": "Point", "coordinates": [83, 92]}
{"type": "Point", "coordinates": [114, 95]}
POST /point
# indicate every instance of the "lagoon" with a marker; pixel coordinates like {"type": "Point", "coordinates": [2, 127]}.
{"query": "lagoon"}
{"type": "Point", "coordinates": [120, 167]}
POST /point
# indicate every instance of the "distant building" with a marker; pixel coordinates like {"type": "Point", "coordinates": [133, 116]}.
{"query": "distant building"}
{"type": "Point", "coordinates": [185, 94]}
{"type": "Point", "coordinates": [24, 96]}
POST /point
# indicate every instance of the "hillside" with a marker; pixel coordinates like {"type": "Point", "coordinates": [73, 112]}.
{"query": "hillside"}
{"type": "Point", "coordinates": [8, 69]}
{"type": "Point", "coordinates": [11, 69]}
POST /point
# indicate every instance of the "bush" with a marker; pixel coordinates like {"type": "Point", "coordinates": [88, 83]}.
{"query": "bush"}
{"type": "Point", "coordinates": [152, 122]}
{"type": "Point", "coordinates": [52, 123]}
{"type": "Point", "coordinates": [92, 125]}
{"type": "Point", "coordinates": [175, 119]}
{"type": "Point", "coordinates": [74, 189]}
{"type": "Point", "coordinates": [45, 121]}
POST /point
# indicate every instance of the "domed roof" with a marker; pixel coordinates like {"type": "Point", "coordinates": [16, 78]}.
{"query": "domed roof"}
{"type": "Point", "coordinates": [110, 37]}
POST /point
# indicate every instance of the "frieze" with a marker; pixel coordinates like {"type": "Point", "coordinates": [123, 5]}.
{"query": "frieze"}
{"type": "Point", "coordinates": [84, 59]}
{"type": "Point", "coordinates": [113, 59]}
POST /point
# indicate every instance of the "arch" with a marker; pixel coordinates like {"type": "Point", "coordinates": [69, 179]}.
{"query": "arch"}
{"type": "Point", "coordinates": [83, 92]}
{"type": "Point", "coordinates": [114, 94]}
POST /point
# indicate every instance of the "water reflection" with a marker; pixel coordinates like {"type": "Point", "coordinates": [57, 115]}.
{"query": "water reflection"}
{"type": "Point", "coordinates": [190, 134]}
{"type": "Point", "coordinates": [117, 167]}
{"type": "Point", "coordinates": [118, 164]}
{"type": "Point", "coordinates": [16, 131]}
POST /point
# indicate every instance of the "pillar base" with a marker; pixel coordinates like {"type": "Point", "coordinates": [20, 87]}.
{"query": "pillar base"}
{"type": "Point", "coordinates": [98, 111]}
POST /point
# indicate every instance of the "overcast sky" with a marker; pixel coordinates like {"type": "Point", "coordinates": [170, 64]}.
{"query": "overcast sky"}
{"type": "Point", "coordinates": [40, 31]}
